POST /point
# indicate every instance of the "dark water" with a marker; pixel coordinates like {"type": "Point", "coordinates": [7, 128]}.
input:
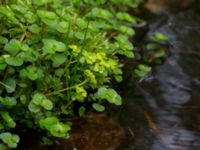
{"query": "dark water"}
{"type": "Point", "coordinates": [165, 112]}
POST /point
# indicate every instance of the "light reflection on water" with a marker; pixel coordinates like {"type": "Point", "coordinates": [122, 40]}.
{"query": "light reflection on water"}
{"type": "Point", "coordinates": [171, 96]}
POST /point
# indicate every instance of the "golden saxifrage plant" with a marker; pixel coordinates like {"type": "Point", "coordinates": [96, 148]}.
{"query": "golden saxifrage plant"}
{"type": "Point", "coordinates": [55, 53]}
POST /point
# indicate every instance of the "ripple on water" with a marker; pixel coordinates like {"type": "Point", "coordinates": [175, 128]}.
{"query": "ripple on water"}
{"type": "Point", "coordinates": [176, 139]}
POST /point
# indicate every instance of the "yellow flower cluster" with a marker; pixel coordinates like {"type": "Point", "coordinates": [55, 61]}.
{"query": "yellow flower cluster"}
{"type": "Point", "coordinates": [80, 94]}
{"type": "Point", "coordinates": [97, 66]}
{"type": "Point", "coordinates": [89, 75]}
{"type": "Point", "coordinates": [75, 49]}
{"type": "Point", "coordinates": [99, 61]}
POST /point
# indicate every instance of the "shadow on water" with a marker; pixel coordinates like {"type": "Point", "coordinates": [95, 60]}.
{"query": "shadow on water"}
{"type": "Point", "coordinates": [165, 115]}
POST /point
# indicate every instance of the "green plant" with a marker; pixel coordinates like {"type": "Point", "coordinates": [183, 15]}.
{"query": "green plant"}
{"type": "Point", "coordinates": [141, 71]}
{"type": "Point", "coordinates": [155, 50]}
{"type": "Point", "coordinates": [54, 53]}
{"type": "Point", "coordinates": [152, 53]}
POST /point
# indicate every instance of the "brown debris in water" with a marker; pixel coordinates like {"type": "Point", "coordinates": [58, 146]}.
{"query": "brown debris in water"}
{"type": "Point", "coordinates": [152, 125]}
{"type": "Point", "coordinates": [99, 133]}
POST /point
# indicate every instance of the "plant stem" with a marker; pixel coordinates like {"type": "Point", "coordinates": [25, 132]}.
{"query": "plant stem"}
{"type": "Point", "coordinates": [65, 89]}
{"type": "Point", "coordinates": [6, 85]}
{"type": "Point", "coordinates": [22, 37]}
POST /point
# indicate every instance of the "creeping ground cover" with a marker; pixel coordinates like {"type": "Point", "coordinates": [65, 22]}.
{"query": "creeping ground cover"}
{"type": "Point", "coordinates": [55, 54]}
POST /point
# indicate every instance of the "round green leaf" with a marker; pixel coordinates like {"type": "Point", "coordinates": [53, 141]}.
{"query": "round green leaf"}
{"type": "Point", "coordinates": [13, 46]}
{"type": "Point", "coordinates": [10, 85]}
{"type": "Point", "coordinates": [126, 30]}
{"type": "Point", "coordinates": [41, 2]}
{"type": "Point", "coordinates": [45, 14]}
{"type": "Point", "coordinates": [8, 119]}
{"type": "Point", "coordinates": [81, 23]}
{"type": "Point", "coordinates": [38, 98]}
{"type": "Point", "coordinates": [23, 99]}
{"type": "Point", "coordinates": [48, 122]}
{"type": "Point", "coordinates": [8, 101]}
{"type": "Point", "coordinates": [159, 37]}
{"type": "Point", "coordinates": [13, 61]}
{"type": "Point", "coordinates": [58, 58]}
{"type": "Point", "coordinates": [108, 94]}
{"type": "Point", "coordinates": [47, 104]}
{"type": "Point", "coordinates": [10, 139]}
{"type": "Point", "coordinates": [81, 111]}
{"type": "Point", "coordinates": [101, 13]}
{"type": "Point", "coordinates": [33, 108]}
{"type": "Point", "coordinates": [125, 17]}
{"type": "Point", "coordinates": [59, 129]}
{"type": "Point", "coordinates": [62, 27]}
{"type": "Point", "coordinates": [46, 141]}
{"type": "Point", "coordinates": [34, 28]}
{"type": "Point", "coordinates": [3, 40]}
{"type": "Point", "coordinates": [52, 46]}
{"type": "Point", "coordinates": [98, 107]}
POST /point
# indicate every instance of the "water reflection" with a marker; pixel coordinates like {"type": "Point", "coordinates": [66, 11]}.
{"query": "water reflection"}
{"type": "Point", "coordinates": [168, 109]}
{"type": "Point", "coordinates": [176, 139]}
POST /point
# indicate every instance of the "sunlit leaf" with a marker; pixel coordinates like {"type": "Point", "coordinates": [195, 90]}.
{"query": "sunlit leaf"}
{"type": "Point", "coordinates": [63, 27]}
{"type": "Point", "coordinates": [81, 23]}
{"type": "Point", "coordinates": [47, 104]}
{"type": "Point", "coordinates": [10, 139]}
{"type": "Point", "coordinates": [52, 46]}
{"type": "Point", "coordinates": [13, 61]}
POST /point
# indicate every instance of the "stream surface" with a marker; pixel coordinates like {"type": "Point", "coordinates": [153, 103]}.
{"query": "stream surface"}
{"type": "Point", "coordinates": [165, 115]}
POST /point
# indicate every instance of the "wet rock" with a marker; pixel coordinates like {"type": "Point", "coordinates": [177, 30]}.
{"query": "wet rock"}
{"type": "Point", "coordinates": [157, 6]}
